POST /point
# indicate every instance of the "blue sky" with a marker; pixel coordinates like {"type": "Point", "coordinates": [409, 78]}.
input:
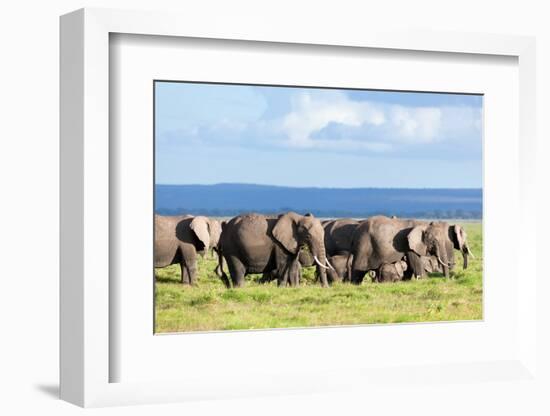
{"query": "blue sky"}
{"type": "Point", "coordinates": [215, 133]}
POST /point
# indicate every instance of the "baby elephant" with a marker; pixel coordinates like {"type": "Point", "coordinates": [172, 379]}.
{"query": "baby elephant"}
{"type": "Point", "coordinates": [305, 259]}
{"type": "Point", "coordinates": [390, 272]}
{"type": "Point", "coordinates": [430, 264]}
{"type": "Point", "coordinates": [340, 272]}
{"type": "Point", "coordinates": [394, 272]}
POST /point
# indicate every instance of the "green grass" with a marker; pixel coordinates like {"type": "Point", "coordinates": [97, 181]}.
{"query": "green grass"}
{"type": "Point", "coordinates": [210, 306]}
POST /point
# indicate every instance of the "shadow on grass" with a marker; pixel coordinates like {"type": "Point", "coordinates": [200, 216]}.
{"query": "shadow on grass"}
{"type": "Point", "coordinates": [436, 275]}
{"type": "Point", "coordinates": [161, 279]}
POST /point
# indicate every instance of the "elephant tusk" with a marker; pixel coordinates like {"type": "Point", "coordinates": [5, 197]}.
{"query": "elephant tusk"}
{"type": "Point", "coordinates": [470, 252]}
{"type": "Point", "coordinates": [319, 263]}
{"type": "Point", "coordinates": [441, 261]}
{"type": "Point", "coordinates": [329, 265]}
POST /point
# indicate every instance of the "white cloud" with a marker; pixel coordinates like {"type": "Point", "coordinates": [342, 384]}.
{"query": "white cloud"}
{"type": "Point", "coordinates": [348, 144]}
{"type": "Point", "coordinates": [311, 113]}
{"type": "Point", "coordinates": [420, 124]}
{"type": "Point", "coordinates": [330, 120]}
{"type": "Point", "coordinates": [369, 125]}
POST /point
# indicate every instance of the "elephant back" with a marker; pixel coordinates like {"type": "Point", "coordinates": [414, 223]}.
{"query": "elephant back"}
{"type": "Point", "coordinates": [166, 239]}
{"type": "Point", "coordinates": [339, 235]}
{"type": "Point", "coordinates": [244, 230]}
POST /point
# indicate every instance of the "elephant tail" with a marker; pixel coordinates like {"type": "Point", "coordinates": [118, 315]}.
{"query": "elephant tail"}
{"type": "Point", "coordinates": [219, 270]}
{"type": "Point", "coordinates": [349, 262]}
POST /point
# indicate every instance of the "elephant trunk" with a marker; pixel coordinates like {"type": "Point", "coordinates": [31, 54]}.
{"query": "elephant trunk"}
{"type": "Point", "coordinates": [319, 254]}
{"type": "Point", "coordinates": [466, 254]}
{"type": "Point", "coordinates": [443, 260]}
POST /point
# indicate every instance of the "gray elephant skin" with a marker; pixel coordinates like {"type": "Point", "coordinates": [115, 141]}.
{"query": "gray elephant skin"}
{"type": "Point", "coordinates": [401, 270]}
{"type": "Point", "coordinates": [381, 240]}
{"type": "Point", "coordinates": [338, 240]}
{"type": "Point", "coordinates": [393, 272]}
{"type": "Point", "coordinates": [305, 259]}
{"type": "Point", "coordinates": [254, 243]}
{"type": "Point", "coordinates": [179, 239]}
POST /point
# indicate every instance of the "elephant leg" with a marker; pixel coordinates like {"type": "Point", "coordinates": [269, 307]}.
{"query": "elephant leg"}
{"type": "Point", "coordinates": [357, 276]}
{"type": "Point", "coordinates": [417, 267]}
{"type": "Point", "coordinates": [188, 260]}
{"type": "Point", "coordinates": [237, 271]}
{"type": "Point", "coordinates": [283, 266]}
{"type": "Point", "coordinates": [266, 278]}
{"type": "Point", "coordinates": [357, 273]}
{"type": "Point", "coordinates": [283, 276]}
{"type": "Point", "coordinates": [294, 274]}
{"type": "Point", "coordinates": [282, 280]}
{"type": "Point", "coordinates": [347, 273]}
{"type": "Point", "coordinates": [184, 273]}
{"type": "Point", "coordinates": [292, 280]}
{"type": "Point", "coordinates": [408, 274]}
{"type": "Point", "coordinates": [192, 270]}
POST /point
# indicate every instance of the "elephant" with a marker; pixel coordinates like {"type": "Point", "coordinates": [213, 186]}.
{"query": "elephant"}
{"type": "Point", "coordinates": [254, 243]}
{"type": "Point", "coordinates": [338, 239]}
{"type": "Point", "coordinates": [430, 264]}
{"type": "Point", "coordinates": [178, 240]}
{"type": "Point", "coordinates": [390, 272]}
{"type": "Point", "coordinates": [305, 259]}
{"type": "Point", "coordinates": [340, 264]}
{"type": "Point", "coordinates": [381, 240]}
{"type": "Point", "coordinates": [401, 270]}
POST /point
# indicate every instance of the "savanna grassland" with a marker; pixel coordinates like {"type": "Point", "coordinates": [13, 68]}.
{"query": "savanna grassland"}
{"type": "Point", "coordinates": [210, 306]}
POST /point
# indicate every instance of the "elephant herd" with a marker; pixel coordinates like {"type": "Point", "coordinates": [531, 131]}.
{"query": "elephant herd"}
{"type": "Point", "coordinates": [278, 247]}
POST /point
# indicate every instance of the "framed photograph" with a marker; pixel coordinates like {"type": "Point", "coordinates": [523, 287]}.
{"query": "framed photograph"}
{"type": "Point", "coordinates": [323, 187]}
{"type": "Point", "coordinates": [269, 212]}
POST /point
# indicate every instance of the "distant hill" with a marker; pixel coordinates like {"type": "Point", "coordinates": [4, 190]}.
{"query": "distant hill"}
{"type": "Point", "coordinates": [233, 199]}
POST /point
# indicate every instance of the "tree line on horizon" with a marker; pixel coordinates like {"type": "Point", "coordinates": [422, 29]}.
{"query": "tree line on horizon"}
{"type": "Point", "coordinates": [428, 214]}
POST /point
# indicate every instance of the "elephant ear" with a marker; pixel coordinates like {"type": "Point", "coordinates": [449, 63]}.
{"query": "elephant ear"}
{"type": "Point", "coordinates": [215, 228]}
{"type": "Point", "coordinates": [285, 232]}
{"type": "Point", "coordinates": [459, 237]}
{"type": "Point", "coordinates": [199, 225]}
{"type": "Point", "coordinates": [400, 267]}
{"type": "Point", "coordinates": [416, 242]}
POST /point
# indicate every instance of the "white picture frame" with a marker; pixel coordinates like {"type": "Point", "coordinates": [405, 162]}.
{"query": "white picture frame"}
{"type": "Point", "coordinates": [86, 356]}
